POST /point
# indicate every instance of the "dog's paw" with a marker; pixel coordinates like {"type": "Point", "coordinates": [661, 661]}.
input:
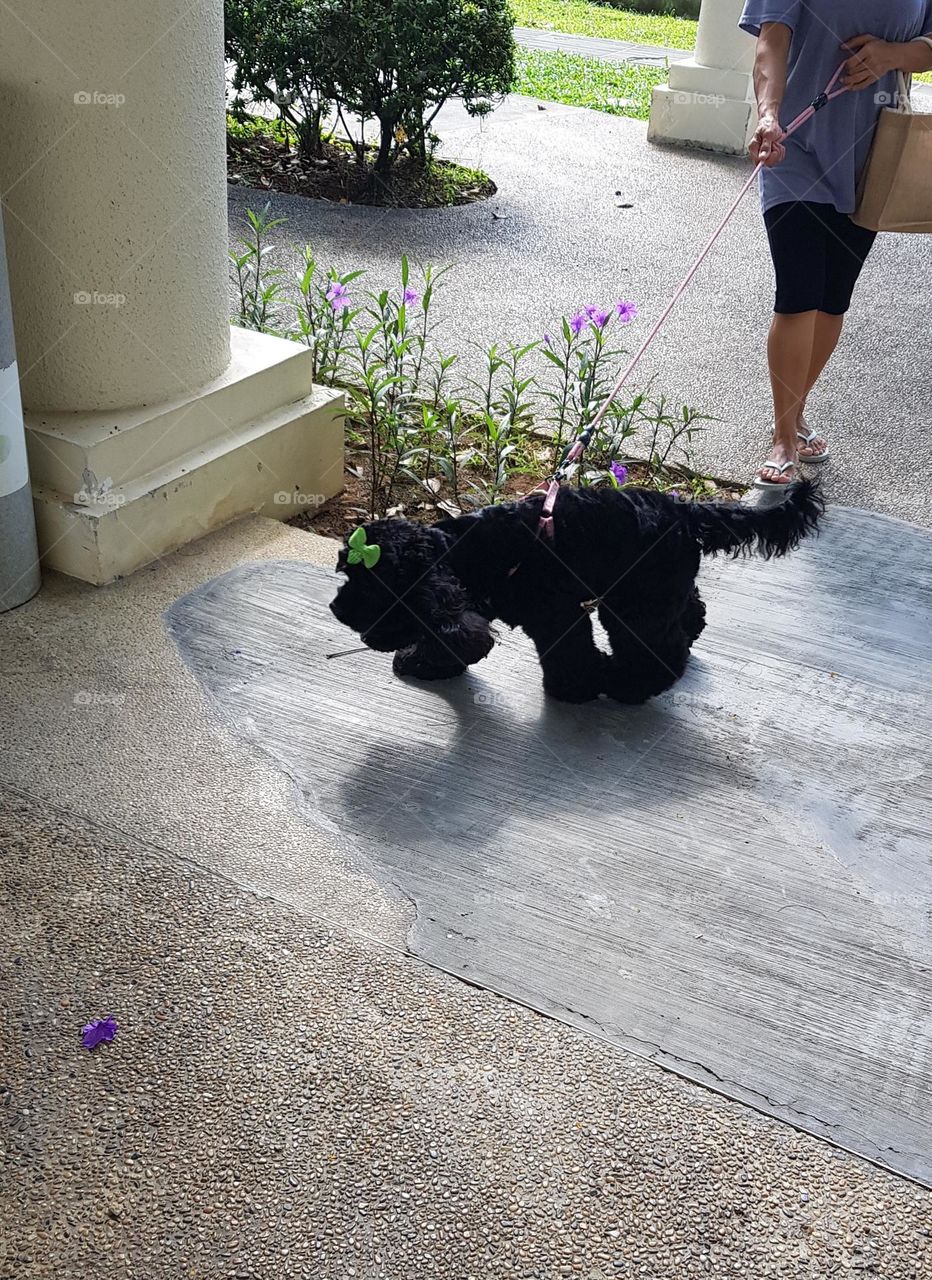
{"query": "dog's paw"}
{"type": "Point", "coordinates": [570, 690]}
{"type": "Point", "coordinates": [629, 695]}
{"type": "Point", "coordinates": [412, 664]}
{"type": "Point", "coordinates": [633, 689]}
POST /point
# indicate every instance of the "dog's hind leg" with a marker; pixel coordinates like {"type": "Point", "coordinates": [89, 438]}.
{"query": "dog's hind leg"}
{"type": "Point", "coordinates": [569, 659]}
{"type": "Point", "coordinates": [649, 653]}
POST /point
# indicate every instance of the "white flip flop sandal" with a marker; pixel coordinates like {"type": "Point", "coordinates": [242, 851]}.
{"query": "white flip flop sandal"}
{"type": "Point", "coordinates": [812, 459]}
{"type": "Point", "coordinates": [781, 469]}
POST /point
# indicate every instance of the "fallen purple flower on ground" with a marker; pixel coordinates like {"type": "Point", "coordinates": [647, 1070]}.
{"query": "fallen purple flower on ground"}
{"type": "Point", "coordinates": [626, 311]}
{"type": "Point", "coordinates": [97, 1031]}
{"type": "Point", "coordinates": [620, 473]}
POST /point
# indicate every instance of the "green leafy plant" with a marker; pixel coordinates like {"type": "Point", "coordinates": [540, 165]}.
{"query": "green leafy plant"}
{"type": "Point", "coordinates": [324, 318]}
{"type": "Point", "coordinates": [258, 284]}
{"type": "Point", "coordinates": [416, 436]}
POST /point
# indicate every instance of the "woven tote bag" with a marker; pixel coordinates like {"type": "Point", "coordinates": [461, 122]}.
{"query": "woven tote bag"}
{"type": "Point", "coordinates": [896, 187]}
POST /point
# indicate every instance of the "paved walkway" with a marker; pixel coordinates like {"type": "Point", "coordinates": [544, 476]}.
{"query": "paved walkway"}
{"type": "Point", "coordinates": [727, 880]}
{"type": "Point", "coordinates": [591, 47]}
{"type": "Point", "coordinates": [293, 1094]}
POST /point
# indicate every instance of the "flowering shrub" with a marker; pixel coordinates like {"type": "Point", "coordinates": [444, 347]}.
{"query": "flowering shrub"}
{"type": "Point", "coordinates": [465, 443]}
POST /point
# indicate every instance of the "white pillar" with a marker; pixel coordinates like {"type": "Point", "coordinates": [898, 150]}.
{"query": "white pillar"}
{"type": "Point", "coordinates": [112, 168]}
{"type": "Point", "coordinates": [708, 101]}
{"type": "Point", "coordinates": [112, 157]}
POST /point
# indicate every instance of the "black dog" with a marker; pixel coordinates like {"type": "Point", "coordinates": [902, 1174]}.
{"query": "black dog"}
{"type": "Point", "coordinates": [631, 554]}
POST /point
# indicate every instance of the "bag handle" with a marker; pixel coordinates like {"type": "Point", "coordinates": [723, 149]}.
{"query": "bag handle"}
{"type": "Point", "coordinates": [904, 85]}
{"type": "Point", "coordinates": [904, 82]}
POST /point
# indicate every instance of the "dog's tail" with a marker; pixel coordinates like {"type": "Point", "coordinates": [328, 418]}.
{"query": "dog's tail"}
{"type": "Point", "coordinates": [740, 528]}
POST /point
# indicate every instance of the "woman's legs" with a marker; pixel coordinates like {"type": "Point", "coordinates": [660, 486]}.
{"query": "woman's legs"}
{"type": "Point", "coordinates": [818, 255]}
{"type": "Point", "coordinates": [798, 349]}
{"type": "Point", "coordinates": [790, 356]}
{"type": "Point", "coordinates": [825, 339]}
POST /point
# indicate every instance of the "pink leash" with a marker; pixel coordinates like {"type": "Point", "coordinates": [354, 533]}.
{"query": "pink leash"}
{"type": "Point", "coordinates": [577, 449]}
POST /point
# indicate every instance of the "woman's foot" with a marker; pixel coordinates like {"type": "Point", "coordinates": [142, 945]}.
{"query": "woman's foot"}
{"type": "Point", "coordinates": [813, 448]}
{"type": "Point", "coordinates": [780, 467]}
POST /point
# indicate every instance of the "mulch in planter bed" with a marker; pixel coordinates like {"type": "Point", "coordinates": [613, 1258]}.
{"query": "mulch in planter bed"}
{"type": "Point", "coordinates": [270, 163]}
{"type": "Point", "coordinates": [339, 516]}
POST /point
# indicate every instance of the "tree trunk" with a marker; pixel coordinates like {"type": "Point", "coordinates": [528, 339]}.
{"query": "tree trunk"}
{"type": "Point", "coordinates": [384, 159]}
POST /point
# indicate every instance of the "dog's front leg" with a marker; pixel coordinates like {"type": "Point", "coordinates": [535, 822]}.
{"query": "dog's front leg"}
{"type": "Point", "coordinates": [571, 663]}
{"type": "Point", "coordinates": [427, 660]}
{"type": "Point", "coordinates": [445, 652]}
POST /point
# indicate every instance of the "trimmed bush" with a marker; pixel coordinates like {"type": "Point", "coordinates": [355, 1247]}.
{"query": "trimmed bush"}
{"type": "Point", "coordinates": [392, 62]}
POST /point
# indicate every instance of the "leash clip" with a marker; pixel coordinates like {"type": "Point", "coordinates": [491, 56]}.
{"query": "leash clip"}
{"type": "Point", "coordinates": [820, 102]}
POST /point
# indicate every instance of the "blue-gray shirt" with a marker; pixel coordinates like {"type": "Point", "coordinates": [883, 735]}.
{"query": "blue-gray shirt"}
{"type": "Point", "coordinates": [824, 158]}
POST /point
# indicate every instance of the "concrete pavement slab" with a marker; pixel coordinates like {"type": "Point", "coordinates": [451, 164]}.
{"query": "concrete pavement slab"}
{"type": "Point", "coordinates": [728, 880]}
{"type": "Point", "coordinates": [595, 47]}
{"type": "Point", "coordinates": [284, 1101]}
{"type": "Point", "coordinates": [99, 716]}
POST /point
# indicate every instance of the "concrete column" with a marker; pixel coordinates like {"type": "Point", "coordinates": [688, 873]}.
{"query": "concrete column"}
{"type": "Point", "coordinates": [113, 168]}
{"type": "Point", "coordinates": [113, 174]}
{"type": "Point", "coordinates": [19, 554]}
{"type": "Point", "coordinates": [708, 101]}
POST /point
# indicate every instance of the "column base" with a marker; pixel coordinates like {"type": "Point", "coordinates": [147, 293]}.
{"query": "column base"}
{"type": "Point", "coordinates": [114, 491]}
{"type": "Point", "coordinates": [703, 107]}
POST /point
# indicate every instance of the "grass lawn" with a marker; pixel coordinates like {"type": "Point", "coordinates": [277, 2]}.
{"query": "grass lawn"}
{"type": "Point", "coordinates": [620, 88]}
{"type": "Point", "coordinates": [577, 18]}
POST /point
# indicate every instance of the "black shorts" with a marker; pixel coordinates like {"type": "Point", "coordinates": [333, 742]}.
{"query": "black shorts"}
{"type": "Point", "coordinates": [817, 255]}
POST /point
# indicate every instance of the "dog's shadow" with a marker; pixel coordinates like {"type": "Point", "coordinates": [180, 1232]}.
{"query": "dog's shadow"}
{"type": "Point", "coordinates": [543, 769]}
{"type": "Point", "coordinates": [424, 777]}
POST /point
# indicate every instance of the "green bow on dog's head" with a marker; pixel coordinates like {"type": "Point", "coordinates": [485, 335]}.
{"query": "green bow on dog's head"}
{"type": "Point", "coordinates": [360, 552]}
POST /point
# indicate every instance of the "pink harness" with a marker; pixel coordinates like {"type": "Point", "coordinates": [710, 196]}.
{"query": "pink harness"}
{"type": "Point", "coordinates": [552, 486]}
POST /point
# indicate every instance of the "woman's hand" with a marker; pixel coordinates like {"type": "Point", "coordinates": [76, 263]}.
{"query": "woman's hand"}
{"type": "Point", "coordinates": [767, 144]}
{"type": "Point", "coordinates": [873, 59]}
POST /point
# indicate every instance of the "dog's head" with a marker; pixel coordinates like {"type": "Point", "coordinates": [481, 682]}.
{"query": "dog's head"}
{"type": "Point", "coordinates": [406, 593]}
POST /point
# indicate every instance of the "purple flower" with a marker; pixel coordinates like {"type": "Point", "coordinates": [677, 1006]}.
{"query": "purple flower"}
{"type": "Point", "coordinates": [619, 473]}
{"type": "Point", "coordinates": [590, 310]}
{"type": "Point", "coordinates": [409, 297]}
{"type": "Point", "coordinates": [577, 324]}
{"type": "Point", "coordinates": [626, 311]}
{"type": "Point", "coordinates": [547, 341]}
{"type": "Point", "coordinates": [100, 1029]}
{"type": "Point", "coordinates": [600, 318]}
{"type": "Point", "coordinates": [338, 296]}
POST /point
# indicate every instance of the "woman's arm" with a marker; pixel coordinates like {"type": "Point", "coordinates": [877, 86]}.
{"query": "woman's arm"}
{"type": "Point", "coordinates": [874, 58]}
{"type": "Point", "coordinates": [770, 67]}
